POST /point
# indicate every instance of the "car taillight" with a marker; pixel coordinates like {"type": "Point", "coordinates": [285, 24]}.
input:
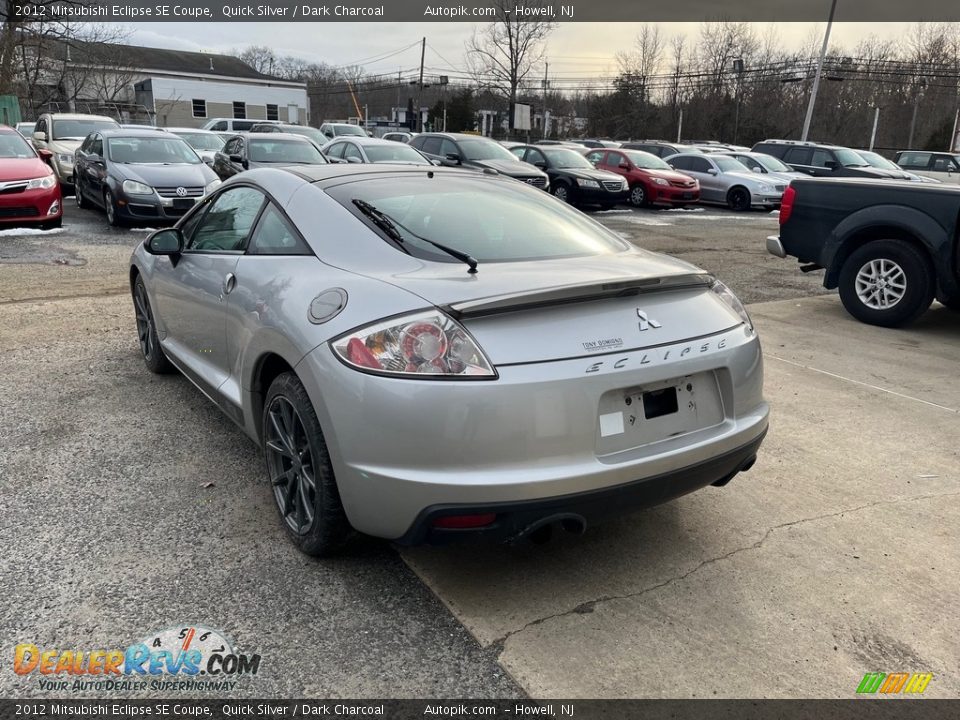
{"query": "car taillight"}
{"type": "Point", "coordinates": [786, 204]}
{"type": "Point", "coordinates": [422, 345]}
{"type": "Point", "coordinates": [460, 522]}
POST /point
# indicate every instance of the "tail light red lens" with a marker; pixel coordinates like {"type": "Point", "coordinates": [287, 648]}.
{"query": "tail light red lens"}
{"type": "Point", "coordinates": [786, 204]}
{"type": "Point", "coordinates": [460, 522]}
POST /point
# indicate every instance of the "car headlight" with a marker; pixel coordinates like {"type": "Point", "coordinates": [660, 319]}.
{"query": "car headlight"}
{"type": "Point", "coordinates": [136, 188]}
{"type": "Point", "coordinates": [213, 185]}
{"type": "Point", "coordinates": [660, 181]}
{"type": "Point", "coordinates": [46, 182]}
{"type": "Point", "coordinates": [582, 182]}
{"type": "Point", "coordinates": [731, 301]}
{"type": "Point", "coordinates": [423, 345]}
{"type": "Point", "coordinates": [765, 189]}
{"type": "Point", "coordinates": [65, 158]}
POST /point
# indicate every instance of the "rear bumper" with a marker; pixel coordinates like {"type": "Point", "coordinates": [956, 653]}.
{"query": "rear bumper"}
{"type": "Point", "coordinates": [518, 519]}
{"type": "Point", "coordinates": [775, 247]}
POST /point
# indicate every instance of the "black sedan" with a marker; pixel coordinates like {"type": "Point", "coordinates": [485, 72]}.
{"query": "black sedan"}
{"type": "Point", "coordinates": [140, 175]}
{"type": "Point", "coordinates": [254, 150]}
{"type": "Point", "coordinates": [572, 178]}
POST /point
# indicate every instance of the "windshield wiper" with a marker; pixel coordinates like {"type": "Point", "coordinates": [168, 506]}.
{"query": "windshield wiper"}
{"type": "Point", "coordinates": [392, 228]}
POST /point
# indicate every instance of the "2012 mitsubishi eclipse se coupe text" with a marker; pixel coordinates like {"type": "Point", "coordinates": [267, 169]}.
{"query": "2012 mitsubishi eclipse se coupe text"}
{"type": "Point", "coordinates": [425, 354]}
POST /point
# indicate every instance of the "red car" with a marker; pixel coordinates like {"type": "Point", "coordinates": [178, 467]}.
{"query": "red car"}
{"type": "Point", "coordinates": [651, 180]}
{"type": "Point", "coordinates": [29, 191]}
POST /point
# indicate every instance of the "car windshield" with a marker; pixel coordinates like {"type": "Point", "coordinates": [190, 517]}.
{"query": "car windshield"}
{"type": "Point", "coordinates": [394, 152]}
{"type": "Point", "coordinates": [771, 163]}
{"type": "Point", "coordinates": [565, 158]}
{"type": "Point", "coordinates": [848, 158]}
{"type": "Point", "coordinates": [645, 160]}
{"type": "Point", "coordinates": [202, 141]}
{"type": "Point", "coordinates": [151, 151]}
{"type": "Point", "coordinates": [285, 151]}
{"type": "Point", "coordinates": [79, 129]}
{"type": "Point", "coordinates": [484, 150]}
{"type": "Point", "coordinates": [13, 145]}
{"type": "Point", "coordinates": [494, 220]}
{"type": "Point", "coordinates": [878, 161]}
{"type": "Point", "coordinates": [349, 130]}
{"type": "Point", "coordinates": [728, 164]}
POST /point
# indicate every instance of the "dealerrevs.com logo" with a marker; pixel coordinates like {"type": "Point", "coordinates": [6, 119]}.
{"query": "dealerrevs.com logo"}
{"type": "Point", "coordinates": [188, 657]}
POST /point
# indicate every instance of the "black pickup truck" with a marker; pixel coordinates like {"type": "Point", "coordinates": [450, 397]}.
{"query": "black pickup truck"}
{"type": "Point", "coordinates": [890, 247]}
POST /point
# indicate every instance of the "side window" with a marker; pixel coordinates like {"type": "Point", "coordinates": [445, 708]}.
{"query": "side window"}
{"type": "Point", "coordinates": [680, 163]}
{"type": "Point", "coordinates": [535, 156]}
{"type": "Point", "coordinates": [797, 156]}
{"type": "Point", "coordinates": [654, 149]}
{"type": "Point", "coordinates": [953, 165]}
{"type": "Point", "coordinates": [352, 151]}
{"type": "Point", "coordinates": [41, 126]}
{"type": "Point", "coordinates": [336, 150]}
{"type": "Point", "coordinates": [242, 125]}
{"type": "Point", "coordinates": [274, 236]}
{"type": "Point", "coordinates": [220, 126]}
{"type": "Point", "coordinates": [230, 147]}
{"type": "Point", "coordinates": [86, 144]}
{"type": "Point", "coordinates": [431, 146]}
{"type": "Point", "coordinates": [417, 142]}
{"type": "Point", "coordinates": [700, 165]}
{"type": "Point", "coordinates": [614, 159]}
{"type": "Point", "coordinates": [821, 158]}
{"type": "Point", "coordinates": [448, 147]}
{"type": "Point", "coordinates": [518, 151]}
{"type": "Point", "coordinates": [227, 223]}
{"type": "Point", "coordinates": [915, 160]}
{"type": "Point", "coordinates": [748, 161]}
{"type": "Point", "coordinates": [96, 147]}
{"type": "Point", "coordinates": [595, 157]}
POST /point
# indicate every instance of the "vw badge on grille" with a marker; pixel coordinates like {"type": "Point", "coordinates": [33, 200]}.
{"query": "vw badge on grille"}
{"type": "Point", "coordinates": [181, 191]}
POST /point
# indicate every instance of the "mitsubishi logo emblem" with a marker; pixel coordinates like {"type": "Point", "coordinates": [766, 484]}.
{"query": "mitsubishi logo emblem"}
{"type": "Point", "coordinates": [182, 191]}
{"type": "Point", "coordinates": [646, 322]}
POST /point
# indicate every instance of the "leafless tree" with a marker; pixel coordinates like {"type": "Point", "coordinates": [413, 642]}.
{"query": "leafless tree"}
{"type": "Point", "coordinates": [502, 54]}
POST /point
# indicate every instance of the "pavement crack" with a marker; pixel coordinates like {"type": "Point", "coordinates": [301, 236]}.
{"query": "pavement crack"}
{"type": "Point", "coordinates": [589, 606]}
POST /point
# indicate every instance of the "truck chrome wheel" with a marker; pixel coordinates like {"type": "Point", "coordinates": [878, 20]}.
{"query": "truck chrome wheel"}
{"type": "Point", "coordinates": [881, 284]}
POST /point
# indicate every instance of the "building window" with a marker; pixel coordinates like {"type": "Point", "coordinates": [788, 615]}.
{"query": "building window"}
{"type": "Point", "coordinates": [273, 113]}
{"type": "Point", "coordinates": [239, 110]}
{"type": "Point", "coordinates": [199, 108]}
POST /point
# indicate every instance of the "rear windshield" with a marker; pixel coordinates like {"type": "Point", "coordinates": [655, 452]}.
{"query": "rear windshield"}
{"type": "Point", "coordinates": [485, 150]}
{"type": "Point", "coordinates": [494, 220]}
{"type": "Point", "coordinates": [202, 141]}
{"type": "Point", "coordinates": [645, 160]}
{"type": "Point", "coordinates": [284, 151]}
{"type": "Point", "coordinates": [348, 130]}
{"type": "Point", "coordinates": [728, 164]}
{"type": "Point", "coordinates": [394, 152]}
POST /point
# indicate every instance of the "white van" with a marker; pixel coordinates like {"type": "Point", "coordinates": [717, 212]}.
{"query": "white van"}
{"type": "Point", "coordinates": [233, 125]}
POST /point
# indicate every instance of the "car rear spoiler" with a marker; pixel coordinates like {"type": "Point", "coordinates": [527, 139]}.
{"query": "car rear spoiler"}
{"type": "Point", "coordinates": [584, 292]}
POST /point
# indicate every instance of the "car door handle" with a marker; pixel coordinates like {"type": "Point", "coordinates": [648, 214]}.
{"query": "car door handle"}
{"type": "Point", "coordinates": [229, 283]}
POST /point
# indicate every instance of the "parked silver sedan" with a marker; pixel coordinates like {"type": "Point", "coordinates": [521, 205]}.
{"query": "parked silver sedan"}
{"type": "Point", "coordinates": [347, 149]}
{"type": "Point", "coordinates": [424, 354]}
{"type": "Point", "coordinates": [729, 182]}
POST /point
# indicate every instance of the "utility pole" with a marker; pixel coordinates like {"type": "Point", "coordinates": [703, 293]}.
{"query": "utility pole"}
{"type": "Point", "coordinates": [738, 69]}
{"type": "Point", "coordinates": [396, 114]}
{"type": "Point", "coordinates": [873, 133]}
{"type": "Point", "coordinates": [546, 84]}
{"type": "Point", "coordinates": [423, 53]}
{"type": "Point", "coordinates": [816, 77]}
{"type": "Point", "coordinates": [917, 96]}
{"type": "Point", "coordinates": [680, 126]}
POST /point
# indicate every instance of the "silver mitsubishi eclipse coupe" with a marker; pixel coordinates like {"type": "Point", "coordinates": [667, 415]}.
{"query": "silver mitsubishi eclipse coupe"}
{"type": "Point", "coordinates": [425, 354]}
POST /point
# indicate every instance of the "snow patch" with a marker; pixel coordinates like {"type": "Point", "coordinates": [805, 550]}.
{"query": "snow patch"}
{"type": "Point", "coordinates": [18, 232]}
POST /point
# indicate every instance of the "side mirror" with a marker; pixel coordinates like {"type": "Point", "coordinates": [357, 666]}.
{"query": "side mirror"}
{"type": "Point", "coordinates": [541, 165]}
{"type": "Point", "coordinates": [624, 166]}
{"type": "Point", "coordinates": [454, 158]}
{"type": "Point", "coordinates": [832, 164]}
{"type": "Point", "coordinates": [168, 241]}
{"type": "Point", "coordinates": [45, 155]}
{"type": "Point", "coordinates": [758, 169]}
{"type": "Point", "coordinates": [354, 160]}
{"type": "Point", "coordinates": [712, 171]}
{"type": "Point", "coordinates": [40, 135]}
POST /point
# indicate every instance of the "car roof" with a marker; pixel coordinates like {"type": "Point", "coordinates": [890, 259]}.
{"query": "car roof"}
{"type": "Point", "coordinates": [361, 140]}
{"type": "Point", "coordinates": [127, 132]}
{"type": "Point", "coordinates": [456, 136]}
{"type": "Point", "coordinates": [274, 136]}
{"type": "Point", "coordinates": [189, 129]}
{"type": "Point", "coordinates": [334, 171]}
{"type": "Point", "coordinates": [81, 116]}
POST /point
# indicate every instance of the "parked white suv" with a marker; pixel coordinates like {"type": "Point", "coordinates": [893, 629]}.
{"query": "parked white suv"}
{"type": "Point", "coordinates": [62, 133]}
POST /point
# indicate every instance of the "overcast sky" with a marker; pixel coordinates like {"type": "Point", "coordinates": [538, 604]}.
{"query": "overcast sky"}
{"type": "Point", "coordinates": [574, 49]}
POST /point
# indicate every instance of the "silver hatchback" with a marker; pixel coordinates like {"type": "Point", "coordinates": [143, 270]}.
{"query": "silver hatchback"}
{"type": "Point", "coordinates": [427, 355]}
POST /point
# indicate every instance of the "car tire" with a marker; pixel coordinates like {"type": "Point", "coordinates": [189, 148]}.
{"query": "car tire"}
{"type": "Point", "coordinates": [738, 199]}
{"type": "Point", "coordinates": [638, 196]}
{"type": "Point", "coordinates": [111, 209]}
{"type": "Point", "coordinates": [78, 196]}
{"type": "Point", "coordinates": [309, 507]}
{"type": "Point", "coordinates": [153, 355]}
{"type": "Point", "coordinates": [561, 191]}
{"type": "Point", "coordinates": [52, 224]}
{"type": "Point", "coordinates": [949, 300]}
{"type": "Point", "coordinates": [887, 283]}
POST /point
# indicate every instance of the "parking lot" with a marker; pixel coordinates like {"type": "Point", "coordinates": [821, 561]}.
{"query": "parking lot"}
{"type": "Point", "coordinates": [132, 504]}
